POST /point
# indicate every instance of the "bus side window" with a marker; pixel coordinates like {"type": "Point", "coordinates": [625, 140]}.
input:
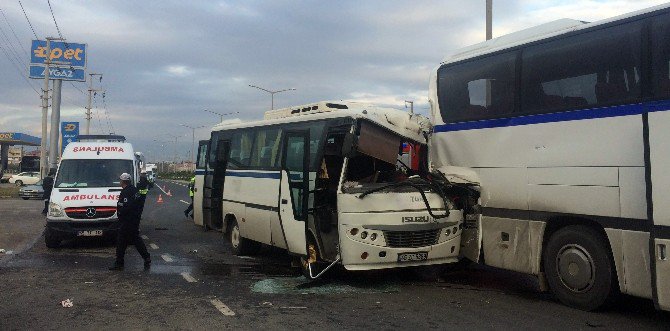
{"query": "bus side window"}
{"type": "Point", "coordinates": [202, 155]}
{"type": "Point", "coordinates": [240, 149]}
{"type": "Point", "coordinates": [478, 89]}
{"type": "Point", "coordinates": [660, 40]}
{"type": "Point", "coordinates": [574, 72]}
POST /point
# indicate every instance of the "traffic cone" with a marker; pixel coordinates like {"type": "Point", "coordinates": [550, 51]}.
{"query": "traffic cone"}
{"type": "Point", "coordinates": [160, 198]}
{"type": "Point", "coordinates": [168, 193]}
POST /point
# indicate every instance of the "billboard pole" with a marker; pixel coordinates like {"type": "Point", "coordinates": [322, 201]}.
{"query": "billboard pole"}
{"type": "Point", "coordinates": [55, 124]}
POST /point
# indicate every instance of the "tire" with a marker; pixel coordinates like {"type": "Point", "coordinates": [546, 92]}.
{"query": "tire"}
{"type": "Point", "coordinates": [25, 198]}
{"type": "Point", "coordinates": [51, 239]}
{"type": "Point", "coordinates": [579, 268]}
{"type": "Point", "coordinates": [18, 183]}
{"type": "Point", "coordinates": [240, 245]}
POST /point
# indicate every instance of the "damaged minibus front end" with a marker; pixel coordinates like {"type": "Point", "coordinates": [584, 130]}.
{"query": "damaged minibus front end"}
{"type": "Point", "coordinates": [391, 211]}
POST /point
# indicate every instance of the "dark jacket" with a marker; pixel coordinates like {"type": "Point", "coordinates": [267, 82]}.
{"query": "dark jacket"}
{"type": "Point", "coordinates": [47, 186]}
{"type": "Point", "coordinates": [143, 186]}
{"type": "Point", "coordinates": [128, 206]}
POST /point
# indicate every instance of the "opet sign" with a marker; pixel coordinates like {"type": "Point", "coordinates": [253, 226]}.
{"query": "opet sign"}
{"type": "Point", "coordinates": [70, 58]}
{"type": "Point", "coordinates": [6, 136]}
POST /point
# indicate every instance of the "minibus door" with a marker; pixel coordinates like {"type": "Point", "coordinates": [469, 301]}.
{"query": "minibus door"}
{"type": "Point", "coordinates": [200, 169]}
{"type": "Point", "coordinates": [294, 191]}
{"type": "Point", "coordinates": [657, 174]}
{"type": "Point", "coordinates": [215, 175]}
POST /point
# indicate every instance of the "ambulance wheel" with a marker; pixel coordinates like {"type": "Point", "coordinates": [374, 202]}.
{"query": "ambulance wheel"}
{"type": "Point", "coordinates": [241, 245]}
{"type": "Point", "coordinates": [18, 183]}
{"type": "Point", "coordinates": [579, 268]}
{"type": "Point", "coordinates": [51, 239]}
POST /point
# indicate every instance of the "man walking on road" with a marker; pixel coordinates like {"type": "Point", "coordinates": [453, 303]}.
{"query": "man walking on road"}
{"type": "Point", "coordinates": [143, 189]}
{"type": "Point", "coordinates": [129, 212]}
{"type": "Point", "coordinates": [47, 186]}
{"type": "Point", "coordinates": [191, 192]}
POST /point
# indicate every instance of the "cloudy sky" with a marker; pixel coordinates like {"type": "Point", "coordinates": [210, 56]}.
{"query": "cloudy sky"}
{"type": "Point", "coordinates": [165, 61]}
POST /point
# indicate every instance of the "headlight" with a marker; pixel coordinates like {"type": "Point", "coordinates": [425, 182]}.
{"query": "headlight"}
{"type": "Point", "coordinates": [55, 210]}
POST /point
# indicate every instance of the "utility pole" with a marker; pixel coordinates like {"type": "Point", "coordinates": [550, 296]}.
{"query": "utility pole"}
{"type": "Point", "coordinates": [272, 94]}
{"type": "Point", "coordinates": [55, 123]}
{"type": "Point", "coordinates": [90, 96]}
{"type": "Point", "coordinates": [489, 19]}
{"type": "Point", "coordinates": [45, 111]}
{"type": "Point", "coordinates": [193, 141]}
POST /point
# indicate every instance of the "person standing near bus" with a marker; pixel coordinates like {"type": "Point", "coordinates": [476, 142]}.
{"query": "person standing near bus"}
{"type": "Point", "coordinates": [128, 210]}
{"type": "Point", "coordinates": [47, 187]}
{"type": "Point", "coordinates": [143, 189]}
{"type": "Point", "coordinates": [191, 192]}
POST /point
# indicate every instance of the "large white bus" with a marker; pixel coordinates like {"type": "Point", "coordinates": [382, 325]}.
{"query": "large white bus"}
{"type": "Point", "coordinates": [325, 181]}
{"type": "Point", "coordinates": [567, 129]}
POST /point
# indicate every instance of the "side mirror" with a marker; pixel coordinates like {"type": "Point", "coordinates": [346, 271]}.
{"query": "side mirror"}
{"type": "Point", "coordinates": [349, 145]}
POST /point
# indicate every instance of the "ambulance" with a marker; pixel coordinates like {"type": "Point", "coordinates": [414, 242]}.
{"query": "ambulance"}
{"type": "Point", "coordinates": [86, 190]}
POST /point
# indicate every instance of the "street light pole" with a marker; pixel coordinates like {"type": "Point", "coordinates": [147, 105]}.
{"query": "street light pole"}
{"type": "Point", "coordinates": [272, 94]}
{"type": "Point", "coordinates": [193, 140]}
{"type": "Point", "coordinates": [221, 115]}
{"type": "Point", "coordinates": [489, 19]}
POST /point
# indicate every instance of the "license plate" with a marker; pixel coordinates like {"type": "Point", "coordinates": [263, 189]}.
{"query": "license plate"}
{"type": "Point", "coordinates": [91, 233]}
{"type": "Point", "coordinates": [416, 256]}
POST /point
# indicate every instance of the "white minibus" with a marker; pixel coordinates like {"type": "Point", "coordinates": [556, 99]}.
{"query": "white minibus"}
{"type": "Point", "coordinates": [325, 181]}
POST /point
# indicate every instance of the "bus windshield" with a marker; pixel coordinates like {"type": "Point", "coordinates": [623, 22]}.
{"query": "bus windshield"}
{"type": "Point", "coordinates": [92, 173]}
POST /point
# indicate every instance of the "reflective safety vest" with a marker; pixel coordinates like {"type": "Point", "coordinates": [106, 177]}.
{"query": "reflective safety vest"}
{"type": "Point", "coordinates": [143, 191]}
{"type": "Point", "coordinates": [191, 187]}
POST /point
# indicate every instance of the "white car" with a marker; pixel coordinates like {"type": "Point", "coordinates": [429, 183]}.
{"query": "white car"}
{"type": "Point", "coordinates": [25, 178]}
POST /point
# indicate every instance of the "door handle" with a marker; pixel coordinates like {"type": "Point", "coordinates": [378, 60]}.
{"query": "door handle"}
{"type": "Point", "coordinates": [284, 201]}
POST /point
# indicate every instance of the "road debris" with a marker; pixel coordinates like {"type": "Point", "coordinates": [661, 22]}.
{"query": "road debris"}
{"type": "Point", "coordinates": [266, 304]}
{"type": "Point", "coordinates": [67, 303]}
{"type": "Point", "coordinates": [194, 251]}
{"type": "Point", "coordinates": [2, 250]}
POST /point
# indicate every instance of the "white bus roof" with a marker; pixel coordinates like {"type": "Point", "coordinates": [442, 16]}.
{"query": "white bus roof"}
{"type": "Point", "coordinates": [393, 119]}
{"type": "Point", "coordinates": [536, 33]}
{"type": "Point", "coordinates": [99, 150]}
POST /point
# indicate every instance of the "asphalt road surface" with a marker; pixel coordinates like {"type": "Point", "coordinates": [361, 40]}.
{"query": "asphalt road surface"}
{"type": "Point", "coordinates": [196, 283]}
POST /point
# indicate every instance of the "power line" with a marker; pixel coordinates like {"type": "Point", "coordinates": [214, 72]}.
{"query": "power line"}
{"type": "Point", "coordinates": [18, 69]}
{"type": "Point", "coordinates": [104, 106]}
{"type": "Point", "coordinates": [18, 41]}
{"type": "Point", "coordinates": [54, 17]}
{"type": "Point", "coordinates": [26, 15]}
{"type": "Point", "coordinates": [11, 48]}
{"type": "Point", "coordinates": [78, 89]}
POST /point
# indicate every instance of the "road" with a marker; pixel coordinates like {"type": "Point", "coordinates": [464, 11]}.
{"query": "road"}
{"type": "Point", "coordinates": [195, 283]}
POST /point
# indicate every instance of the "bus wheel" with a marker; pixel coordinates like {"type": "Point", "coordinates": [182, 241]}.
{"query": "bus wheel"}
{"type": "Point", "coordinates": [241, 245]}
{"type": "Point", "coordinates": [579, 268]}
{"type": "Point", "coordinates": [51, 239]}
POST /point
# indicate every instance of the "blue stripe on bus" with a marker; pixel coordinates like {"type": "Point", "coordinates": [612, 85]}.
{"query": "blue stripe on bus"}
{"type": "Point", "coordinates": [272, 175]}
{"type": "Point", "coordinates": [248, 174]}
{"type": "Point", "coordinates": [616, 111]}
